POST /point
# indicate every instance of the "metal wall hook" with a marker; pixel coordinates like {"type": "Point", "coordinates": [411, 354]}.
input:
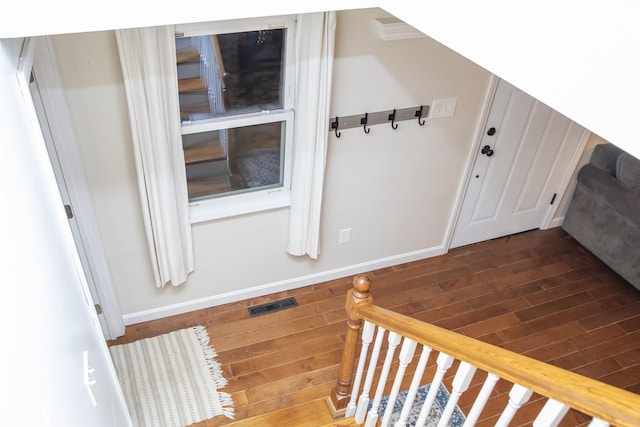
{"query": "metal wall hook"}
{"type": "Point", "coordinates": [392, 117]}
{"type": "Point", "coordinates": [363, 122]}
{"type": "Point", "coordinates": [334, 125]}
{"type": "Point", "coordinates": [419, 116]}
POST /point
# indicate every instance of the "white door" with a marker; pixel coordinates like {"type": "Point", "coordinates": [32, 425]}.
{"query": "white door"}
{"type": "Point", "coordinates": [64, 193]}
{"type": "Point", "coordinates": [57, 128]}
{"type": "Point", "coordinates": [523, 157]}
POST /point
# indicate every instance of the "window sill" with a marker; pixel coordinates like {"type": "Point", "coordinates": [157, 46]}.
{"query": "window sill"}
{"type": "Point", "coordinates": [241, 204]}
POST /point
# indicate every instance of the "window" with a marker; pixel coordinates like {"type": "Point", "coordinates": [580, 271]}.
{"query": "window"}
{"type": "Point", "coordinates": [235, 83]}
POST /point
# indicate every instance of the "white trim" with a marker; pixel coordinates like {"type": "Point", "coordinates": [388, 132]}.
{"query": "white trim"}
{"type": "Point", "coordinates": [490, 93]}
{"type": "Point", "coordinates": [46, 68]}
{"type": "Point", "coordinates": [25, 64]}
{"type": "Point", "coordinates": [556, 222]}
{"type": "Point", "coordinates": [239, 204]}
{"type": "Point", "coordinates": [235, 25]}
{"type": "Point", "coordinates": [566, 180]}
{"type": "Point", "coordinates": [236, 121]}
{"type": "Point", "coordinates": [283, 285]}
{"type": "Point", "coordinates": [248, 201]}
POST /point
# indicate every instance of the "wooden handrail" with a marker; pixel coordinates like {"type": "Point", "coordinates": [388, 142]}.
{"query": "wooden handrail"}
{"type": "Point", "coordinates": [597, 399]}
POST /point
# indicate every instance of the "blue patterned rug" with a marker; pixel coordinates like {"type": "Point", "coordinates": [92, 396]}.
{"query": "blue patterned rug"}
{"type": "Point", "coordinates": [457, 418]}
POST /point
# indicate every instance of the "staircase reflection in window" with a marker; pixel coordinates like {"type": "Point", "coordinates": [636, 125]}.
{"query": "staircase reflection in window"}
{"type": "Point", "coordinates": [253, 160]}
{"type": "Point", "coordinates": [223, 77]}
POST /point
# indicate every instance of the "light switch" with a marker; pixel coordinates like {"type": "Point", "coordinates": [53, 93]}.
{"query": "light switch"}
{"type": "Point", "coordinates": [444, 108]}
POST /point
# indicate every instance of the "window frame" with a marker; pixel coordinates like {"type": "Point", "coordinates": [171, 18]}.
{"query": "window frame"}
{"type": "Point", "coordinates": [224, 206]}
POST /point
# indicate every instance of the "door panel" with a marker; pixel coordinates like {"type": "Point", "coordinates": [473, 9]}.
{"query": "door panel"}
{"type": "Point", "coordinates": [524, 153]}
{"type": "Point", "coordinates": [64, 193]}
{"type": "Point", "coordinates": [496, 169]}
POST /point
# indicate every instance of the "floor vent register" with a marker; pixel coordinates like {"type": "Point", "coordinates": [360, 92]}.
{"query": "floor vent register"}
{"type": "Point", "coordinates": [272, 307]}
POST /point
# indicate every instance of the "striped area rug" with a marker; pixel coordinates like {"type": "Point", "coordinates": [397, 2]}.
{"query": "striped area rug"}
{"type": "Point", "coordinates": [171, 380]}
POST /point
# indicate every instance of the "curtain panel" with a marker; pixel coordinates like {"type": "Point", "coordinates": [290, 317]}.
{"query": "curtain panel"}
{"type": "Point", "coordinates": [315, 38]}
{"type": "Point", "coordinates": [148, 61]}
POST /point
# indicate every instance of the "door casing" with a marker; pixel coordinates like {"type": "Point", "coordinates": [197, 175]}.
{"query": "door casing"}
{"type": "Point", "coordinates": [61, 127]}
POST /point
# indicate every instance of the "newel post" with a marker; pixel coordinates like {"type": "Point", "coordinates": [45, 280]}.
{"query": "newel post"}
{"type": "Point", "coordinates": [357, 296]}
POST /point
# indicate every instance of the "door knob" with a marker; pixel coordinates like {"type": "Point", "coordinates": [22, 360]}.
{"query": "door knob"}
{"type": "Point", "coordinates": [491, 131]}
{"type": "Point", "coordinates": [487, 151]}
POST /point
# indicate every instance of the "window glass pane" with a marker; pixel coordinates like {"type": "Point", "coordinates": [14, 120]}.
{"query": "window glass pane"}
{"type": "Point", "coordinates": [235, 160]}
{"type": "Point", "coordinates": [231, 73]}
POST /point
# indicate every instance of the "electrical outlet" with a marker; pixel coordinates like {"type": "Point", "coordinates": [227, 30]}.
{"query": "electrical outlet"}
{"type": "Point", "coordinates": [89, 378]}
{"type": "Point", "coordinates": [345, 236]}
{"type": "Point", "coordinates": [443, 108]}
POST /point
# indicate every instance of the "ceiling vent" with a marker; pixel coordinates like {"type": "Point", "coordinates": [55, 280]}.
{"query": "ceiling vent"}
{"type": "Point", "coordinates": [391, 28]}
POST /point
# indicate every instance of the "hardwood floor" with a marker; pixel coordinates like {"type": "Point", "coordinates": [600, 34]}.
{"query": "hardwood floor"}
{"type": "Point", "coordinates": [537, 293]}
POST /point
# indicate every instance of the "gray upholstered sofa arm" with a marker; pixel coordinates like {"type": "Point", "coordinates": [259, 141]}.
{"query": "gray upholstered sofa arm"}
{"type": "Point", "coordinates": [604, 213]}
{"type": "Point", "coordinates": [605, 157]}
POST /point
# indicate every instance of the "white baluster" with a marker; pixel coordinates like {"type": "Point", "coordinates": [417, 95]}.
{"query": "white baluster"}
{"type": "Point", "coordinates": [518, 396]}
{"type": "Point", "coordinates": [551, 414]}
{"type": "Point", "coordinates": [597, 422]}
{"type": "Point", "coordinates": [367, 337]}
{"type": "Point", "coordinates": [461, 382]}
{"type": "Point", "coordinates": [444, 362]}
{"type": "Point", "coordinates": [363, 403]}
{"type": "Point", "coordinates": [413, 389]}
{"type": "Point", "coordinates": [481, 400]}
{"type": "Point", "coordinates": [406, 355]}
{"type": "Point", "coordinates": [372, 416]}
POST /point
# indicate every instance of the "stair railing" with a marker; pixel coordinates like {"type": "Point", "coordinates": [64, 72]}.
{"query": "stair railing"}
{"type": "Point", "coordinates": [352, 395]}
{"type": "Point", "coordinates": [213, 73]}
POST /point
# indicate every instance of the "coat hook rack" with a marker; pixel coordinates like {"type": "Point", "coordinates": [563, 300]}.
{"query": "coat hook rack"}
{"type": "Point", "coordinates": [368, 119]}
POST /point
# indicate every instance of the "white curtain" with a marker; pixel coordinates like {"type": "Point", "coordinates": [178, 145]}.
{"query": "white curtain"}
{"type": "Point", "coordinates": [315, 35]}
{"type": "Point", "coordinates": [148, 60]}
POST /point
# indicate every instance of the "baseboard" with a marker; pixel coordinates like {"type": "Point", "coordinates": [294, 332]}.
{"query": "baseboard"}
{"type": "Point", "coordinates": [556, 222]}
{"type": "Point", "coordinates": [283, 285]}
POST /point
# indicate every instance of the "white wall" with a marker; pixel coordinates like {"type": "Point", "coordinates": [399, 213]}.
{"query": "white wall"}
{"type": "Point", "coordinates": [47, 319]}
{"type": "Point", "coordinates": [396, 189]}
{"type": "Point", "coordinates": [579, 57]}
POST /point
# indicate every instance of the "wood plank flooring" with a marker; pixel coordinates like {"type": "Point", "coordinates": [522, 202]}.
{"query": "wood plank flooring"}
{"type": "Point", "coordinates": [537, 293]}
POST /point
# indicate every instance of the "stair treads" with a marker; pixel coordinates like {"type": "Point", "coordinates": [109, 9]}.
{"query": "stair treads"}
{"type": "Point", "coordinates": [187, 55]}
{"type": "Point", "coordinates": [203, 152]}
{"type": "Point", "coordinates": [193, 84]}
